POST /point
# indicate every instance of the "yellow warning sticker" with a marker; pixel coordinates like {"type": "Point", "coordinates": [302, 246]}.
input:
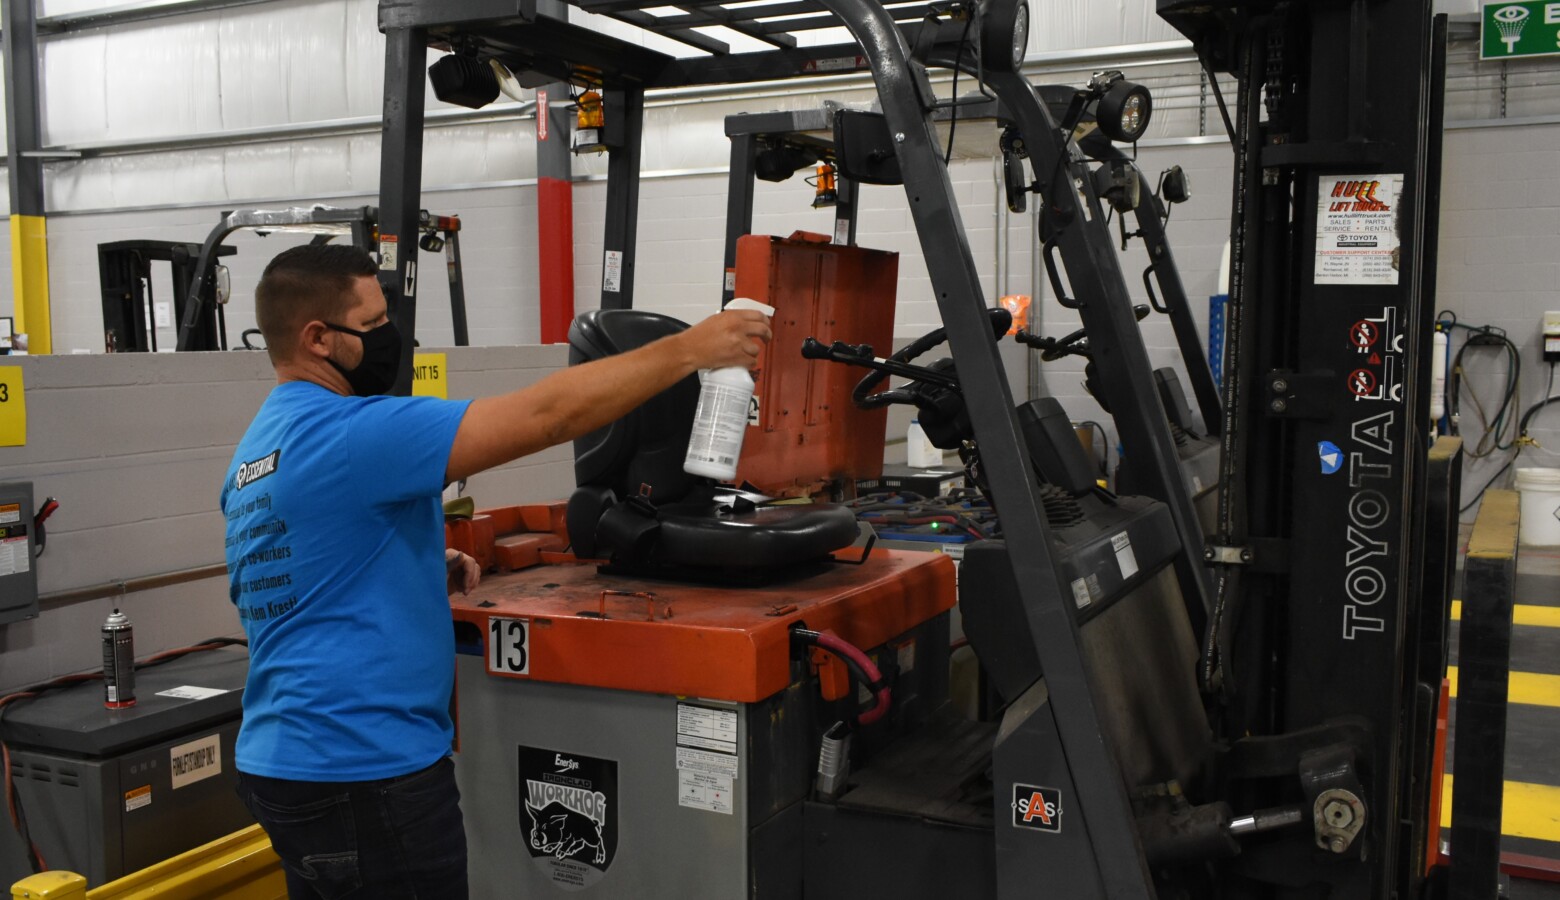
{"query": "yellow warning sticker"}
{"type": "Point", "coordinates": [13, 408]}
{"type": "Point", "coordinates": [430, 376]}
{"type": "Point", "coordinates": [138, 797]}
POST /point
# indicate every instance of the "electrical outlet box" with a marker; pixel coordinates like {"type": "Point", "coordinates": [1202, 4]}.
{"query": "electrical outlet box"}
{"type": "Point", "coordinates": [18, 544]}
{"type": "Point", "coordinates": [1552, 336]}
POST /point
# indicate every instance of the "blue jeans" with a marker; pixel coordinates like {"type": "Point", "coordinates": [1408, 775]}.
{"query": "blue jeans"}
{"type": "Point", "coordinates": [395, 839]}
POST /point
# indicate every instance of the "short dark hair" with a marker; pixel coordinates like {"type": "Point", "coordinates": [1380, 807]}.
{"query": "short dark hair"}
{"type": "Point", "coordinates": [303, 284]}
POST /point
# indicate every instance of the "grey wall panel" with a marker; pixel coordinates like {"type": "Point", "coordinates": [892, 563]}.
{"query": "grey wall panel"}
{"type": "Point", "coordinates": [135, 447]}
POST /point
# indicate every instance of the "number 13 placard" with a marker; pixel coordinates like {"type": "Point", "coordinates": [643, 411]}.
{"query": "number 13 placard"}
{"type": "Point", "coordinates": [509, 646]}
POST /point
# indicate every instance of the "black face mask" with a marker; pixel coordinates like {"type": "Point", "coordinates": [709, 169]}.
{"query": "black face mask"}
{"type": "Point", "coordinates": [381, 362]}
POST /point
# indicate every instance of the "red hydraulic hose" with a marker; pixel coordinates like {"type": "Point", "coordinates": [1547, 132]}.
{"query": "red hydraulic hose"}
{"type": "Point", "coordinates": [849, 651]}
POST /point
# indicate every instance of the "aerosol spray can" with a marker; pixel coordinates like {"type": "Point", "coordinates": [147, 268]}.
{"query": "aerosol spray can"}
{"type": "Point", "coordinates": [118, 662]}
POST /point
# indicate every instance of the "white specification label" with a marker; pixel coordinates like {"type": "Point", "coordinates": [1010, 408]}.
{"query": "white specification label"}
{"type": "Point", "coordinates": [13, 556]}
{"type": "Point", "coordinates": [697, 790]}
{"type": "Point", "coordinates": [703, 761]}
{"type": "Point", "coordinates": [191, 692]}
{"type": "Point", "coordinates": [841, 232]}
{"type": "Point", "coordinates": [712, 729]}
{"type": "Point", "coordinates": [195, 761]}
{"type": "Point", "coordinates": [1080, 589]}
{"type": "Point", "coordinates": [612, 271]}
{"type": "Point", "coordinates": [1124, 556]}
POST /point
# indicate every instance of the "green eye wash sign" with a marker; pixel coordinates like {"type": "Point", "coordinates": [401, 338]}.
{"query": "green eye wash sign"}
{"type": "Point", "coordinates": [1510, 30]}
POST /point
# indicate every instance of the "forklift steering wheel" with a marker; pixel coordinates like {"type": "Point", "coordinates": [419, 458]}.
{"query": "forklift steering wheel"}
{"type": "Point", "coordinates": [862, 396]}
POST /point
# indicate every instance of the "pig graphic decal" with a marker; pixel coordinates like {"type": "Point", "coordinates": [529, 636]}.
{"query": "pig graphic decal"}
{"type": "Point", "coordinates": [567, 813]}
{"type": "Point", "coordinates": [564, 833]}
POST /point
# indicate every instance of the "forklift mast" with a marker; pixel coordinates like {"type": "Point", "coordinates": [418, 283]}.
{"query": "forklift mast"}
{"type": "Point", "coordinates": [1318, 637]}
{"type": "Point", "coordinates": [1336, 125]}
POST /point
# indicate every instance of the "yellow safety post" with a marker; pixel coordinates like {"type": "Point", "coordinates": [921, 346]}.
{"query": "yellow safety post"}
{"type": "Point", "coordinates": [30, 281]}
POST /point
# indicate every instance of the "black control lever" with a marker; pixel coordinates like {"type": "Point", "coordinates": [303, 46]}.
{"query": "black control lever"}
{"type": "Point", "coordinates": [1052, 349]}
{"type": "Point", "coordinates": [862, 355]}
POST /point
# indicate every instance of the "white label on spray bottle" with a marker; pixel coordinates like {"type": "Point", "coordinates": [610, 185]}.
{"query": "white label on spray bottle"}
{"type": "Point", "coordinates": [718, 426]}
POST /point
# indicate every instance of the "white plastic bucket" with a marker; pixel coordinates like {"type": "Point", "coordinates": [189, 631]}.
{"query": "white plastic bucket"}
{"type": "Point", "coordinates": [1540, 506]}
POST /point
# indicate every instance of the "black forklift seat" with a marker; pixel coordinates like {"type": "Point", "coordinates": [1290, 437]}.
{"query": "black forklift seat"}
{"type": "Point", "coordinates": [634, 504]}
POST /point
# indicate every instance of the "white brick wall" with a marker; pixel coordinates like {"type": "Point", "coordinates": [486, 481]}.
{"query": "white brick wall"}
{"type": "Point", "coordinates": [1499, 265]}
{"type": "Point", "coordinates": [134, 447]}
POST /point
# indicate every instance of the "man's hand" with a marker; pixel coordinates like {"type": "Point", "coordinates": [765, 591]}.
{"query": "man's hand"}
{"type": "Point", "coordinates": [580, 399]}
{"type": "Point", "coordinates": [731, 338]}
{"type": "Point", "coordinates": [462, 571]}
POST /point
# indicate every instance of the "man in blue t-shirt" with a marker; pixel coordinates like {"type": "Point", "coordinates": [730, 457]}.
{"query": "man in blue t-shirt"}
{"type": "Point", "coordinates": [336, 561]}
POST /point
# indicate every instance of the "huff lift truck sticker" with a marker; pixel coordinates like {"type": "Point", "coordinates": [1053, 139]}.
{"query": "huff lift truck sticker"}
{"type": "Point", "coordinates": [569, 814]}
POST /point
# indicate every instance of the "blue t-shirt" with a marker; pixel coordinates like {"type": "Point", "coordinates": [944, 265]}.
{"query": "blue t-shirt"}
{"type": "Point", "coordinates": [335, 554]}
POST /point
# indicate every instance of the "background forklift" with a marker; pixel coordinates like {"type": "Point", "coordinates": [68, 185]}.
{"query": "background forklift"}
{"type": "Point", "coordinates": [201, 286]}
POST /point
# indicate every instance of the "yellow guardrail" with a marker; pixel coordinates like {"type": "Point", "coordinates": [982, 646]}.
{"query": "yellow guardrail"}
{"type": "Point", "coordinates": [241, 866]}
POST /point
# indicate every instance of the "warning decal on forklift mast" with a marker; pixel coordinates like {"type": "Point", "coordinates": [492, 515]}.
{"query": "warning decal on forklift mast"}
{"type": "Point", "coordinates": [389, 252]}
{"type": "Point", "coordinates": [1357, 229]}
{"type": "Point", "coordinates": [612, 271]}
{"type": "Point", "coordinates": [569, 814]}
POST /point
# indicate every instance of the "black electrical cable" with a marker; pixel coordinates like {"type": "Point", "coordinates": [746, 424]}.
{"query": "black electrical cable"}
{"type": "Point", "coordinates": [1492, 441]}
{"type": "Point", "coordinates": [1104, 445]}
{"type": "Point", "coordinates": [1535, 409]}
{"type": "Point", "coordinates": [953, 110]}
{"type": "Point", "coordinates": [1522, 439]}
{"type": "Point", "coordinates": [1218, 96]}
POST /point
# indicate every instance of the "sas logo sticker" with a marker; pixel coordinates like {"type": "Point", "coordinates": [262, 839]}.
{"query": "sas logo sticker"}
{"type": "Point", "coordinates": [1038, 808]}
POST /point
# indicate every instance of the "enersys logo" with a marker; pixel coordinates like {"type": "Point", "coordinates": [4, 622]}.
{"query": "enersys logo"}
{"type": "Point", "coordinates": [1037, 808]}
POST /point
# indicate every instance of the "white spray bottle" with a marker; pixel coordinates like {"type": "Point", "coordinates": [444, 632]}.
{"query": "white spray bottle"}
{"type": "Point", "coordinates": [720, 423]}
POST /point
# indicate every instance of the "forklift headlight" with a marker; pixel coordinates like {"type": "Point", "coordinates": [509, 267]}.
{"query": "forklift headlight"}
{"type": "Point", "coordinates": [1124, 111]}
{"type": "Point", "coordinates": [1004, 34]}
{"type": "Point", "coordinates": [1175, 187]}
{"type": "Point", "coordinates": [464, 81]}
{"type": "Point", "coordinates": [431, 242]}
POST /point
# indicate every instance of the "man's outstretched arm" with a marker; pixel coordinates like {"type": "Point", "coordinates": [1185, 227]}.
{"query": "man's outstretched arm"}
{"type": "Point", "coordinates": [580, 399]}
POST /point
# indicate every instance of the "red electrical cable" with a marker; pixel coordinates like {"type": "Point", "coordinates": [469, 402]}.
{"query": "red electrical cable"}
{"type": "Point", "coordinates": [852, 652]}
